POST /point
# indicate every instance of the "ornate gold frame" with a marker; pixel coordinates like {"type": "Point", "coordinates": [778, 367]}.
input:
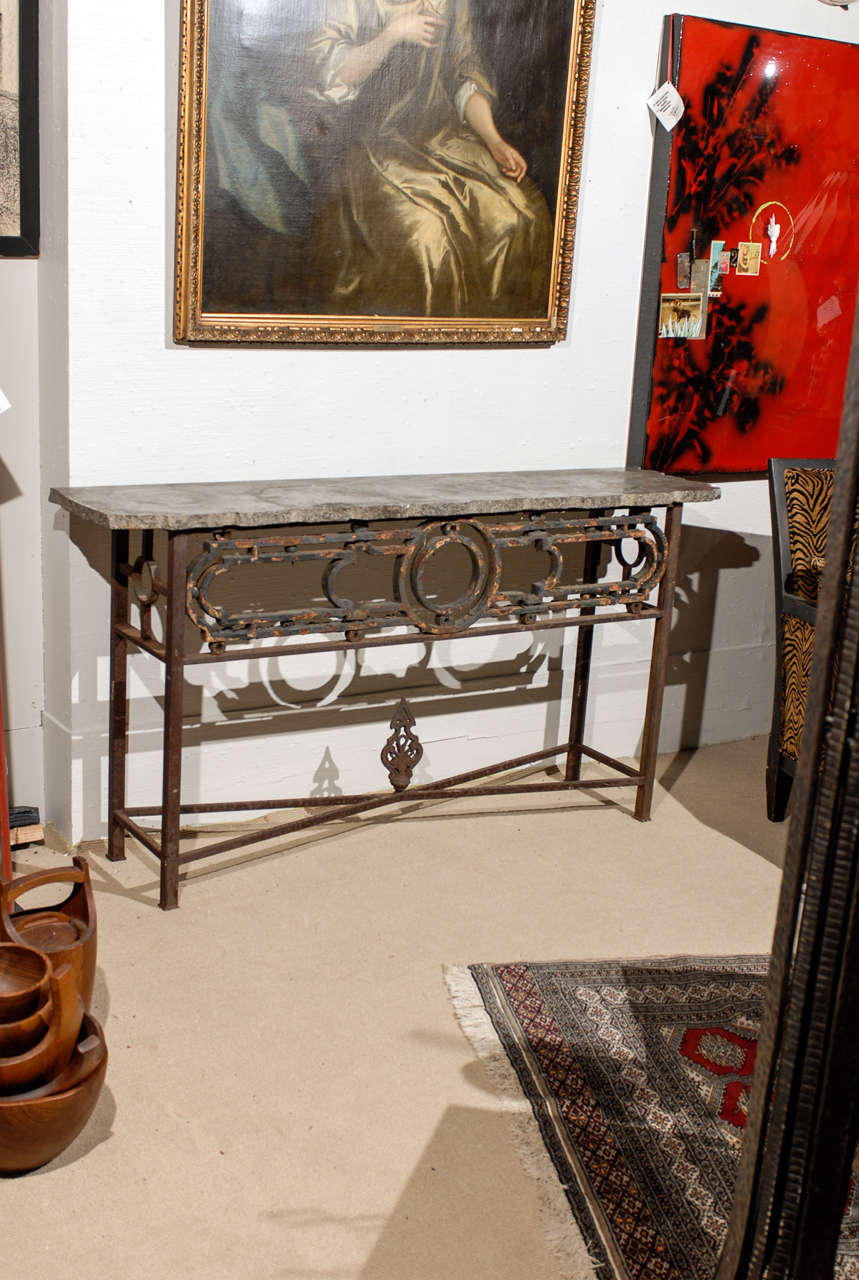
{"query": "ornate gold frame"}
{"type": "Point", "coordinates": [193, 325]}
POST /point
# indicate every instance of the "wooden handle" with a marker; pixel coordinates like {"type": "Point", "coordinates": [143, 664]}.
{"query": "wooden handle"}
{"type": "Point", "coordinates": [67, 1017]}
{"type": "Point", "coordinates": [9, 892]}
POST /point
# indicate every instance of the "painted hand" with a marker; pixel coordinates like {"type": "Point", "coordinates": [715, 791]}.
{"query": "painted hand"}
{"type": "Point", "coordinates": [508, 159]}
{"type": "Point", "coordinates": [414, 26]}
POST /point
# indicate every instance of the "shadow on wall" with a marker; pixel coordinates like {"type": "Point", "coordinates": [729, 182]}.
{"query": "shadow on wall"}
{"type": "Point", "coordinates": [721, 635]}
{"type": "Point", "coordinates": [722, 668]}
{"type": "Point", "coordinates": [720, 664]}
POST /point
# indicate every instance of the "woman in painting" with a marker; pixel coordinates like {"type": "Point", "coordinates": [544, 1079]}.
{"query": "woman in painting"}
{"type": "Point", "coordinates": [430, 211]}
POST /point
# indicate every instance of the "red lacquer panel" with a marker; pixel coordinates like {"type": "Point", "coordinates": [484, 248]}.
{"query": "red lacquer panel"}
{"type": "Point", "coordinates": [766, 154]}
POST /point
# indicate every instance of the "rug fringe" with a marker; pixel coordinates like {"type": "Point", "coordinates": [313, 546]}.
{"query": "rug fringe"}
{"type": "Point", "coordinates": [559, 1225]}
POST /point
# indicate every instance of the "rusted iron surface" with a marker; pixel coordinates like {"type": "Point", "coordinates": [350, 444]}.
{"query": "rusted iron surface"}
{"type": "Point", "coordinates": [220, 653]}
{"type": "Point", "coordinates": [118, 713]}
{"type": "Point", "coordinates": [427, 788]}
{"type": "Point", "coordinates": [581, 672]}
{"type": "Point", "coordinates": [146, 838]}
{"type": "Point", "coordinates": [174, 646]}
{"type": "Point", "coordinates": [402, 752]}
{"type": "Point", "coordinates": [412, 548]}
{"type": "Point", "coordinates": [361, 640]}
{"type": "Point", "coordinates": [144, 582]}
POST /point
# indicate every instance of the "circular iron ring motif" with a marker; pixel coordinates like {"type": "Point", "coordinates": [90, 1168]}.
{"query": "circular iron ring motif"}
{"type": "Point", "coordinates": [641, 549]}
{"type": "Point", "coordinates": [455, 615]}
{"type": "Point", "coordinates": [142, 575]}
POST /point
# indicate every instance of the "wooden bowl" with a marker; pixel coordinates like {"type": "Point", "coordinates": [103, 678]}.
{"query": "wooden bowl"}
{"type": "Point", "coordinates": [18, 1037]}
{"type": "Point", "coordinates": [25, 975]}
{"type": "Point", "coordinates": [35, 1129]}
{"type": "Point", "coordinates": [66, 933]}
{"type": "Point", "coordinates": [50, 1054]}
{"type": "Point", "coordinates": [87, 1055]}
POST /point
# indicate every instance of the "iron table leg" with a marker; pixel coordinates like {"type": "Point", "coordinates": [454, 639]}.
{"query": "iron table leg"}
{"type": "Point", "coordinates": [582, 670]}
{"type": "Point", "coordinates": [177, 551]}
{"type": "Point", "coordinates": [118, 722]}
{"type": "Point", "coordinates": [658, 664]}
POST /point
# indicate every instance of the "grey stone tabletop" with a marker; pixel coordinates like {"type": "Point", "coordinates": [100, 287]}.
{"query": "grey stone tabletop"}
{"type": "Point", "coordinates": [259, 503]}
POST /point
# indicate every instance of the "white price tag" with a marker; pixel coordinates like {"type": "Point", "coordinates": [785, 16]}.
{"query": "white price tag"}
{"type": "Point", "coordinates": [666, 104]}
{"type": "Point", "coordinates": [4, 403]}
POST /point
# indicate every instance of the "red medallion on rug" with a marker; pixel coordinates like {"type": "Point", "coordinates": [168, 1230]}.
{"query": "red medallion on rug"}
{"type": "Point", "coordinates": [724, 1053]}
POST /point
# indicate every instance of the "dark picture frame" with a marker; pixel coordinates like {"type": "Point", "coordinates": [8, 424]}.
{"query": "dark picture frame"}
{"type": "Point", "coordinates": [285, 231]}
{"type": "Point", "coordinates": [19, 128]}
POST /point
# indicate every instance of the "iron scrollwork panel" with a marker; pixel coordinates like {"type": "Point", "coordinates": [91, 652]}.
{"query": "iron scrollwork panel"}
{"type": "Point", "coordinates": [411, 599]}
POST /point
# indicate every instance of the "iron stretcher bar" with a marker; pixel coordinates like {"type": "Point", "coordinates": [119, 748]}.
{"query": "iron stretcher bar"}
{"type": "Point", "coordinates": [601, 758]}
{"type": "Point", "coordinates": [310, 802]}
{"type": "Point", "coordinates": [315, 820]}
{"type": "Point", "coordinates": [134, 636]}
{"type": "Point", "coordinates": [140, 833]}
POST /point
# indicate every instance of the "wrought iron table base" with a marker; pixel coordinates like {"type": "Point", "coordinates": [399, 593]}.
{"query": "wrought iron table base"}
{"type": "Point", "coordinates": [185, 589]}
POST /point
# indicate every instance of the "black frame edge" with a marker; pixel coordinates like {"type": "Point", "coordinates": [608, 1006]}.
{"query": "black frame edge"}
{"type": "Point", "coordinates": [648, 310]}
{"type": "Point", "coordinates": [26, 245]}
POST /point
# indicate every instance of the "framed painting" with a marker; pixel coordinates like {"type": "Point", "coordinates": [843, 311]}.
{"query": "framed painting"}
{"type": "Point", "coordinates": [750, 232]}
{"type": "Point", "coordinates": [379, 171]}
{"type": "Point", "coordinates": [19, 128]}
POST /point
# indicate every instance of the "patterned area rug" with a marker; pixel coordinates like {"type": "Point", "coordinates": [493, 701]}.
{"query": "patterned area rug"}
{"type": "Point", "coordinates": [637, 1074]}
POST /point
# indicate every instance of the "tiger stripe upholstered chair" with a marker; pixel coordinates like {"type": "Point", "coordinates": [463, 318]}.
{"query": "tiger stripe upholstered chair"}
{"type": "Point", "coordinates": [800, 503]}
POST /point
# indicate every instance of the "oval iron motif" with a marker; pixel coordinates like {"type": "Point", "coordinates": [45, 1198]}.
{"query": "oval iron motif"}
{"type": "Point", "coordinates": [426, 611]}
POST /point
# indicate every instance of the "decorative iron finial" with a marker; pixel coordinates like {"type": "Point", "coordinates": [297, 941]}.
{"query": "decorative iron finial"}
{"type": "Point", "coordinates": [402, 752]}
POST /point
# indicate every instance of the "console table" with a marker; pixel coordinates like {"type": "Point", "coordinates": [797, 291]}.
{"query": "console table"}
{"type": "Point", "coordinates": [606, 553]}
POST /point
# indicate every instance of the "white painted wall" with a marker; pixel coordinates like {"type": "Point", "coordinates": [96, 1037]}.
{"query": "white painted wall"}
{"type": "Point", "coordinates": [140, 409]}
{"type": "Point", "coordinates": [53, 338]}
{"type": "Point", "coordinates": [20, 532]}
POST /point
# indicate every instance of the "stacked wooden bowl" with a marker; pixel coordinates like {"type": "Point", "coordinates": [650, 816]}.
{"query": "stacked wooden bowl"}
{"type": "Point", "coordinates": [53, 1057]}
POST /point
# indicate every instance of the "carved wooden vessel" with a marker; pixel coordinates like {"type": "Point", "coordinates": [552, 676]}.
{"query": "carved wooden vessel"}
{"type": "Point", "coordinates": [66, 933]}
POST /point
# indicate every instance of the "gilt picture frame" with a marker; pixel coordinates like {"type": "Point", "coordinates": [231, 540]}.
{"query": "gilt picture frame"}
{"type": "Point", "coordinates": [19, 128]}
{"type": "Point", "coordinates": [379, 171]}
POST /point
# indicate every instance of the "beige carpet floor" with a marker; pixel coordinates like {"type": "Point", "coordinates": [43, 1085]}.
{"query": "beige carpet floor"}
{"type": "Point", "coordinates": [289, 1096]}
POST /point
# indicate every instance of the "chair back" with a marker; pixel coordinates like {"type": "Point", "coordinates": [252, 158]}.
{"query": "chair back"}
{"type": "Point", "coordinates": [800, 502]}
